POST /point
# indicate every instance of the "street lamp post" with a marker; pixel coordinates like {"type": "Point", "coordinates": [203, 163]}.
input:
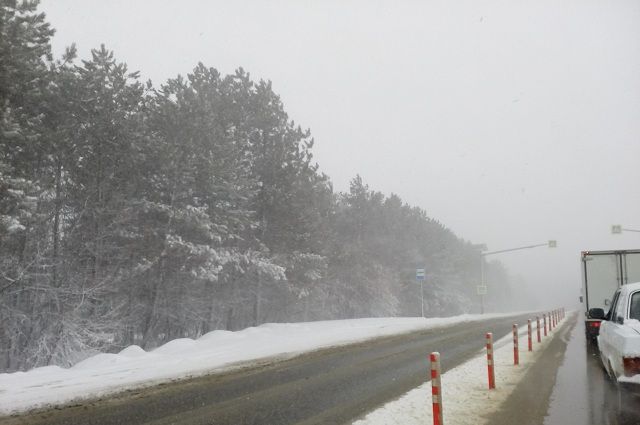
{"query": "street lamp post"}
{"type": "Point", "coordinates": [482, 289]}
{"type": "Point", "coordinates": [616, 229]}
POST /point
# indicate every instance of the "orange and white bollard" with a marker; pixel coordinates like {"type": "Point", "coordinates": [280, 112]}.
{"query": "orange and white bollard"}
{"type": "Point", "coordinates": [436, 390]}
{"type": "Point", "coordinates": [538, 328]}
{"type": "Point", "coordinates": [529, 338]}
{"type": "Point", "coordinates": [544, 318]}
{"type": "Point", "coordinates": [490, 370]}
{"type": "Point", "coordinates": [516, 355]}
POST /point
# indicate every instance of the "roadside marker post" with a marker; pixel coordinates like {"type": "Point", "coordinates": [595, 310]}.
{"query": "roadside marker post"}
{"type": "Point", "coordinates": [490, 367]}
{"type": "Point", "coordinates": [544, 318]}
{"type": "Point", "coordinates": [529, 338]}
{"type": "Point", "coordinates": [516, 355]}
{"type": "Point", "coordinates": [436, 391]}
{"type": "Point", "coordinates": [538, 328]}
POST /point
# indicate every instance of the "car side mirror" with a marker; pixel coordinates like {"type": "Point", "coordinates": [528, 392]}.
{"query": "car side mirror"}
{"type": "Point", "coordinates": [607, 302]}
{"type": "Point", "coordinates": [596, 313]}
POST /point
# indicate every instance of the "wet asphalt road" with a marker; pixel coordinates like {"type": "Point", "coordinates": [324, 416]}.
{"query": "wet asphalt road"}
{"type": "Point", "coordinates": [583, 394]}
{"type": "Point", "coordinates": [333, 386]}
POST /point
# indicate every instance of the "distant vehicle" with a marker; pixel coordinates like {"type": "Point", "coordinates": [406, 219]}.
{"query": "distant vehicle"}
{"type": "Point", "coordinates": [619, 339]}
{"type": "Point", "coordinates": [603, 272]}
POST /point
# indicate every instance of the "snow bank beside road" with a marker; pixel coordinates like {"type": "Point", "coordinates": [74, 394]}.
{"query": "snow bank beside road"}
{"type": "Point", "coordinates": [218, 350]}
{"type": "Point", "coordinates": [466, 399]}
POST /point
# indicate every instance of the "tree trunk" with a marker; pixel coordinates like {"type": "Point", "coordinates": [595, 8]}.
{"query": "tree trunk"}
{"type": "Point", "coordinates": [56, 222]}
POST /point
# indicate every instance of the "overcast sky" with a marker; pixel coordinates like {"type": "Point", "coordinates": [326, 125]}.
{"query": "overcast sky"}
{"type": "Point", "coordinates": [511, 122]}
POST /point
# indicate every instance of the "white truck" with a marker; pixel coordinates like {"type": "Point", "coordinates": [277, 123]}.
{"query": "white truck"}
{"type": "Point", "coordinates": [603, 272]}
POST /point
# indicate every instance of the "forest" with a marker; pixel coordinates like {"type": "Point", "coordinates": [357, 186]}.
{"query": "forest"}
{"type": "Point", "coordinates": [135, 213]}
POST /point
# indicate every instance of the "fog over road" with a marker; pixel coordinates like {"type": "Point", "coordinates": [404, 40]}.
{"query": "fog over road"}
{"type": "Point", "coordinates": [329, 386]}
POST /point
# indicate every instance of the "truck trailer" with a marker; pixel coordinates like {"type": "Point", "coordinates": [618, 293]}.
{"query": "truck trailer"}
{"type": "Point", "coordinates": [603, 272]}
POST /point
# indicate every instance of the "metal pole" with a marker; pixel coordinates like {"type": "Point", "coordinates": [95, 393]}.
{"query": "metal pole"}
{"type": "Point", "coordinates": [482, 283]}
{"type": "Point", "coordinates": [513, 249]}
{"type": "Point", "coordinates": [422, 296]}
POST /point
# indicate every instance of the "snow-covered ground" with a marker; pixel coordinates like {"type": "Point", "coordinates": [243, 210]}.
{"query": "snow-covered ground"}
{"type": "Point", "coordinates": [219, 350]}
{"type": "Point", "coordinates": [466, 399]}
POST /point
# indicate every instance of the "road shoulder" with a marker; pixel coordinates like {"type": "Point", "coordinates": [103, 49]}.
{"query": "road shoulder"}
{"type": "Point", "coordinates": [528, 403]}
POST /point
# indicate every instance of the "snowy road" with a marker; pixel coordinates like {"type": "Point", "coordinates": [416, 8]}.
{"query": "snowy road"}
{"type": "Point", "coordinates": [583, 395]}
{"type": "Point", "coordinates": [572, 379]}
{"type": "Point", "coordinates": [329, 386]}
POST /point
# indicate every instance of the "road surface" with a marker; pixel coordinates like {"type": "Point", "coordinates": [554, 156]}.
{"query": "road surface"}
{"type": "Point", "coordinates": [568, 386]}
{"type": "Point", "coordinates": [584, 394]}
{"type": "Point", "coordinates": [332, 386]}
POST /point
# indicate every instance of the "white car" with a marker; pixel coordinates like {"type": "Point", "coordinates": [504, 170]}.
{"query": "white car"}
{"type": "Point", "coordinates": [619, 339]}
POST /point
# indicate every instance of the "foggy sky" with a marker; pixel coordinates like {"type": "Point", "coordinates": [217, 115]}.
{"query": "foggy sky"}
{"type": "Point", "coordinates": [510, 122]}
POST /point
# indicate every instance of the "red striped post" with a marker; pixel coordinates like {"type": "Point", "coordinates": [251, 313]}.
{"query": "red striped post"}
{"type": "Point", "coordinates": [490, 370]}
{"type": "Point", "coordinates": [538, 328]}
{"type": "Point", "coordinates": [544, 318]}
{"type": "Point", "coordinates": [555, 319]}
{"type": "Point", "coordinates": [516, 356]}
{"type": "Point", "coordinates": [529, 339]}
{"type": "Point", "coordinates": [436, 393]}
{"type": "Point", "coordinates": [550, 322]}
